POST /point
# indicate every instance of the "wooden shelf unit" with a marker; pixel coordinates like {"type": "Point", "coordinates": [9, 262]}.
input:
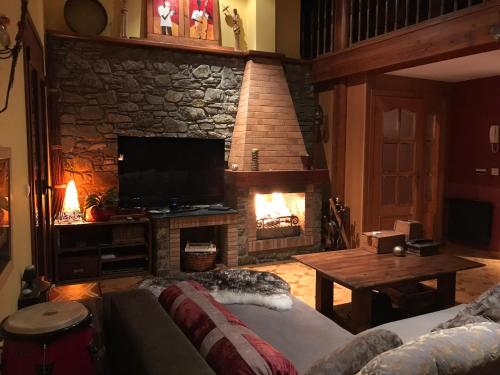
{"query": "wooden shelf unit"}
{"type": "Point", "coordinates": [79, 249]}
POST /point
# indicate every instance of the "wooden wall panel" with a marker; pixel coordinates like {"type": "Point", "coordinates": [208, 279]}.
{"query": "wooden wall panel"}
{"type": "Point", "coordinates": [356, 106]}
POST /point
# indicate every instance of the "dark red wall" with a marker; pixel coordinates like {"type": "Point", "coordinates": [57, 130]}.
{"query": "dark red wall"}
{"type": "Point", "coordinates": [475, 105]}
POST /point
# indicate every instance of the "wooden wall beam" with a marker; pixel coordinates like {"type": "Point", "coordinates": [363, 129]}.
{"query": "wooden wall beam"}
{"type": "Point", "coordinates": [454, 35]}
{"type": "Point", "coordinates": [339, 139]}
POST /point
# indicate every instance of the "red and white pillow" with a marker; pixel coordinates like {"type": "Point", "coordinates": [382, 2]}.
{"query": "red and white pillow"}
{"type": "Point", "coordinates": [227, 345]}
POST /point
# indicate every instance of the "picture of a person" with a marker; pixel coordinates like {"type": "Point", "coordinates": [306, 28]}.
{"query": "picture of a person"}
{"type": "Point", "coordinates": [200, 18]}
{"type": "Point", "coordinates": [166, 14]}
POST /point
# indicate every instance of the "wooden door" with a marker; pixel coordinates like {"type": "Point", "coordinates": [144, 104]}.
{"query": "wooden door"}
{"type": "Point", "coordinates": [397, 161]}
{"type": "Point", "coordinates": [407, 155]}
{"type": "Point", "coordinates": [35, 93]}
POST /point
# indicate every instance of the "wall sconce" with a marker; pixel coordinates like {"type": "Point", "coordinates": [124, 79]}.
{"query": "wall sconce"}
{"type": "Point", "coordinates": [319, 124]}
{"type": "Point", "coordinates": [6, 52]}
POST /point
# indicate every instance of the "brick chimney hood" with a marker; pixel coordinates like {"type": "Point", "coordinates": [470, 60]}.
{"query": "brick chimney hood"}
{"type": "Point", "coordinates": [266, 119]}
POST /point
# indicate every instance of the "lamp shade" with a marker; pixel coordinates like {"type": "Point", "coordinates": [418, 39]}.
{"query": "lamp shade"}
{"type": "Point", "coordinates": [71, 203]}
{"type": "Point", "coordinates": [71, 206]}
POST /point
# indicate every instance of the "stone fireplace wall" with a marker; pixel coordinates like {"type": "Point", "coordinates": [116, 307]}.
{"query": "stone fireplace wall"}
{"type": "Point", "coordinates": [101, 90]}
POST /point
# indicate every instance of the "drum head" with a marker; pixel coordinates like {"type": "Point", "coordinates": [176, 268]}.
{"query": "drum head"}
{"type": "Point", "coordinates": [45, 318]}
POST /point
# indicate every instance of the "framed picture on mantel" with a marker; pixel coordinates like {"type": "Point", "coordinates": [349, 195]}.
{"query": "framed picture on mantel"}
{"type": "Point", "coordinates": [193, 22]}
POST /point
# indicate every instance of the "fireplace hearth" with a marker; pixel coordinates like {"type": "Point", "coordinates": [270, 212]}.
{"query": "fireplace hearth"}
{"type": "Point", "coordinates": [280, 204]}
{"type": "Point", "coordinates": [279, 215]}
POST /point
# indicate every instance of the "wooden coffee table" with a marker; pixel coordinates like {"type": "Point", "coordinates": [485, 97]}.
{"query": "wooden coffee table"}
{"type": "Point", "coordinates": [362, 271]}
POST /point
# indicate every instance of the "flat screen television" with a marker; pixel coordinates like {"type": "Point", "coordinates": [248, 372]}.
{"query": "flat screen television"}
{"type": "Point", "coordinates": [155, 170]}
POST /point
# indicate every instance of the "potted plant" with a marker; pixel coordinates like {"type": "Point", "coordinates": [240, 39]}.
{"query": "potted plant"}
{"type": "Point", "coordinates": [102, 205]}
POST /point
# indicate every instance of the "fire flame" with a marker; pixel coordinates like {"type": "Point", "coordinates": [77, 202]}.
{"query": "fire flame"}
{"type": "Point", "coordinates": [271, 206]}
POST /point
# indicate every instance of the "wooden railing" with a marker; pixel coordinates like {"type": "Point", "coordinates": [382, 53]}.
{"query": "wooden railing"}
{"type": "Point", "coordinates": [317, 27]}
{"type": "Point", "coordinates": [366, 19]}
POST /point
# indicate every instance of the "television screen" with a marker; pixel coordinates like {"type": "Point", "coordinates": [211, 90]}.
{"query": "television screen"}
{"type": "Point", "coordinates": [155, 170]}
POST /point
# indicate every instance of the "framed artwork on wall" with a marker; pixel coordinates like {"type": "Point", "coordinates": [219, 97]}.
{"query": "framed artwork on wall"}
{"type": "Point", "coordinates": [183, 21]}
{"type": "Point", "coordinates": [201, 20]}
{"type": "Point", "coordinates": [167, 17]}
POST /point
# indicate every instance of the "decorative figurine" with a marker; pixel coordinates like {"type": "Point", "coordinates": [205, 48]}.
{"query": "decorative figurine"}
{"type": "Point", "coordinates": [124, 20]}
{"type": "Point", "coordinates": [236, 29]}
{"type": "Point", "coordinates": [236, 24]}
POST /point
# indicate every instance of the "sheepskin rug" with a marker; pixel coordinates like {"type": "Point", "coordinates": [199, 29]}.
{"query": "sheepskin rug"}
{"type": "Point", "coordinates": [233, 286]}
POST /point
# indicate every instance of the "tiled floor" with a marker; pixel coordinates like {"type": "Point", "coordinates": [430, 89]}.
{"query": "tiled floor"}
{"type": "Point", "coordinates": [301, 278]}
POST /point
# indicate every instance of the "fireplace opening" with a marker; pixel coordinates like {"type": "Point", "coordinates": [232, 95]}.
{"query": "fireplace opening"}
{"type": "Point", "coordinates": [279, 215]}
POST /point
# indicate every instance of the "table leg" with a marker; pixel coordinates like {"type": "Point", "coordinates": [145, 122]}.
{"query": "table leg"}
{"type": "Point", "coordinates": [324, 295]}
{"type": "Point", "coordinates": [361, 309]}
{"type": "Point", "coordinates": [446, 284]}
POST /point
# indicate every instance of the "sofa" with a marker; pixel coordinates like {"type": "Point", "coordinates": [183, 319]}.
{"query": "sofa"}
{"type": "Point", "coordinates": [141, 338]}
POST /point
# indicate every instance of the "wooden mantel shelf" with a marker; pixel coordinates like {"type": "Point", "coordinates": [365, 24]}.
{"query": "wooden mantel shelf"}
{"type": "Point", "coordinates": [181, 46]}
{"type": "Point", "coordinates": [140, 42]}
{"type": "Point", "coordinates": [263, 178]}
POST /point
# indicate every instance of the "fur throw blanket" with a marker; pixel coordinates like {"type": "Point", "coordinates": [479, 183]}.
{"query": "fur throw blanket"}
{"type": "Point", "coordinates": [486, 308]}
{"type": "Point", "coordinates": [233, 286]}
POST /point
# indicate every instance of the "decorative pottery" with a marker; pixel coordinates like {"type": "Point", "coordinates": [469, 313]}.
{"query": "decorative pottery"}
{"type": "Point", "coordinates": [399, 251]}
{"type": "Point", "coordinates": [87, 17]}
{"type": "Point", "coordinates": [101, 213]}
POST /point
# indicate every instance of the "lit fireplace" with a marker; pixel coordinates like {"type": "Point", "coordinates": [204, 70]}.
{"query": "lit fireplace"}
{"type": "Point", "coordinates": [279, 215]}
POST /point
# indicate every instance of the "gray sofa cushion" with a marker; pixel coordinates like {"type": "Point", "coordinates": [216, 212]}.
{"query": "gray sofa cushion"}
{"type": "Point", "coordinates": [142, 339]}
{"type": "Point", "coordinates": [471, 349]}
{"type": "Point", "coordinates": [350, 358]}
{"type": "Point", "coordinates": [302, 334]}
{"type": "Point", "coordinates": [412, 328]}
{"type": "Point", "coordinates": [485, 308]}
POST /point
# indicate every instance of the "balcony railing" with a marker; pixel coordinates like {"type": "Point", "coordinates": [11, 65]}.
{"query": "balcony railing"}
{"type": "Point", "coordinates": [366, 19]}
{"type": "Point", "coordinates": [317, 27]}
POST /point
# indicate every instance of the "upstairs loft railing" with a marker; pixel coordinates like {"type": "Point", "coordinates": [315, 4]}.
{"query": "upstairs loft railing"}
{"type": "Point", "coordinates": [317, 27]}
{"type": "Point", "coordinates": [366, 19]}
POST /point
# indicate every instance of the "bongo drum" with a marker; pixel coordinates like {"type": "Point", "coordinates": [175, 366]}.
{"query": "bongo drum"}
{"type": "Point", "coordinates": [52, 338]}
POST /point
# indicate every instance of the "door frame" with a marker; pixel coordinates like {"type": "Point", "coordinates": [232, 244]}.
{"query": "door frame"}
{"type": "Point", "coordinates": [34, 60]}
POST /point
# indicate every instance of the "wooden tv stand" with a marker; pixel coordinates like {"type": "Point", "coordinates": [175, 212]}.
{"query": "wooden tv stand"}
{"type": "Point", "coordinates": [167, 237]}
{"type": "Point", "coordinates": [99, 250]}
